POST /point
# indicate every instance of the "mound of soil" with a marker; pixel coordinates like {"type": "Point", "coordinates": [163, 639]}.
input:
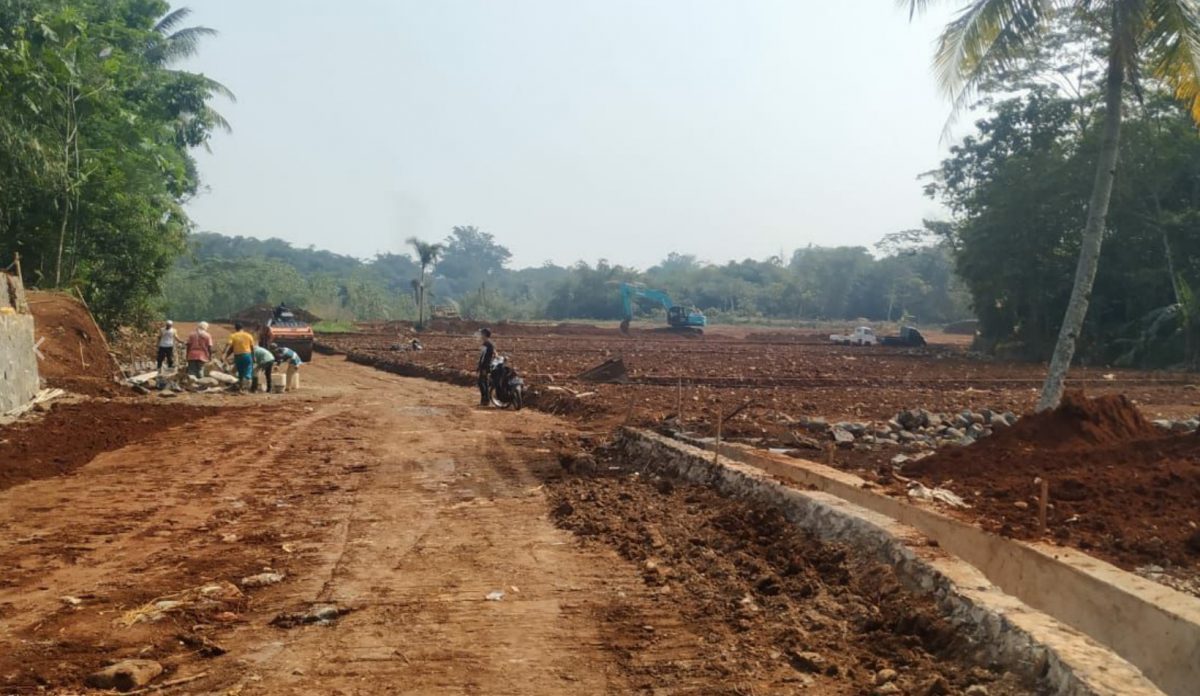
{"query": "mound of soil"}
{"type": "Point", "coordinates": [71, 435]}
{"type": "Point", "coordinates": [1078, 423]}
{"type": "Point", "coordinates": [258, 314]}
{"type": "Point", "coordinates": [74, 346]}
{"type": "Point", "coordinates": [1118, 487]}
{"type": "Point", "coordinates": [782, 611]}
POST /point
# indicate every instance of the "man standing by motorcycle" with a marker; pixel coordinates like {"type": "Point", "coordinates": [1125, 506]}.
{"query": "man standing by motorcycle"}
{"type": "Point", "coordinates": [487, 353]}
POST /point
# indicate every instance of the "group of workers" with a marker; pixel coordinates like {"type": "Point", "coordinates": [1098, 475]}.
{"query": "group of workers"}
{"type": "Point", "coordinates": [250, 360]}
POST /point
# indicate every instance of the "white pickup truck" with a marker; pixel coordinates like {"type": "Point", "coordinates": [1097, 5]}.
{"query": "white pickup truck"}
{"type": "Point", "coordinates": [862, 336]}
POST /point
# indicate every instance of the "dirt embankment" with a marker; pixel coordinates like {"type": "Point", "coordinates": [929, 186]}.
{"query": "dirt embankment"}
{"type": "Point", "coordinates": [779, 610]}
{"type": "Point", "coordinates": [71, 435]}
{"type": "Point", "coordinates": [75, 355]}
{"type": "Point", "coordinates": [1118, 487]}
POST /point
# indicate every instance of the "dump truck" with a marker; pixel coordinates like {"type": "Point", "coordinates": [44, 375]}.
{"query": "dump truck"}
{"type": "Point", "coordinates": [909, 337]}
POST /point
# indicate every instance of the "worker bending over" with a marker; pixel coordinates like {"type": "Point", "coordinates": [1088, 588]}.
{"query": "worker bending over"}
{"type": "Point", "coordinates": [284, 354]}
{"type": "Point", "coordinates": [264, 362]}
{"type": "Point", "coordinates": [241, 347]}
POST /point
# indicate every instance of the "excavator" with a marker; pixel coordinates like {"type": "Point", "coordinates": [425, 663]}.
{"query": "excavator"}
{"type": "Point", "coordinates": [679, 317]}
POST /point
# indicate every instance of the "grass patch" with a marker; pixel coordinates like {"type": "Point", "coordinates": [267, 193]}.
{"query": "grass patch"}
{"type": "Point", "coordinates": [334, 327]}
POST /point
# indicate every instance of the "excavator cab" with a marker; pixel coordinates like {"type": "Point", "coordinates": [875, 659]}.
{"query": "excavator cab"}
{"type": "Point", "coordinates": [681, 317]}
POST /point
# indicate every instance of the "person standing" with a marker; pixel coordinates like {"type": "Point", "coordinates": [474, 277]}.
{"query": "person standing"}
{"type": "Point", "coordinates": [487, 353]}
{"type": "Point", "coordinates": [264, 362]}
{"type": "Point", "coordinates": [284, 354]}
{"type": "Point", "coordinates": [241, 347]}
{"type": "Point", "coordinates": [166, 345]}
{"type": "Point", "coordinates": [199, 350]}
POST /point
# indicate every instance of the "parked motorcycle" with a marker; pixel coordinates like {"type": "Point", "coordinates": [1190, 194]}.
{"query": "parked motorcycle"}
{"type": "Point", "coordinates": [508, 389]}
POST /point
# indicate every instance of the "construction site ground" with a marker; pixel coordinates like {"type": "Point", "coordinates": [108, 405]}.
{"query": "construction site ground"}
{"type": "Point", "coordinates": [1139, 509]}
{"type": "Point", "coordinates": [376, 533]}
{"type": "Point", "coordinates": [400, 508]}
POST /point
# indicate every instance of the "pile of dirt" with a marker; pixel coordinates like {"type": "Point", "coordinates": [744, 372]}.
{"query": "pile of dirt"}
{"type": "Point", "coordinates": [73, 347]}
{"type": "Point", "coordinates": [781, 611]}
{"type": "Point", "coordinates": [71, 435]}
{"type": "Point", "coordinates": [1078, 423]}
{"type": "Point", "coordinates": [259, 314]}
{"type": "Point", "coordinates": [1118, 487]}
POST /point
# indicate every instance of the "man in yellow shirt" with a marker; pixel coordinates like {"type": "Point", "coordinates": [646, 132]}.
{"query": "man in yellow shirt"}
{"type": "Point", "coordinates": [241, 347]}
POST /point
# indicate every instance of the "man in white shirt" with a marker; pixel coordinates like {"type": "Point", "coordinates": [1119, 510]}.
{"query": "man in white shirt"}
{"type": "Point", "coordinates": [166, 345]}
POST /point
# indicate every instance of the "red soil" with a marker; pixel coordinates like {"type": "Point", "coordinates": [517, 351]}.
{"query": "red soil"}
{"type": "Point", "coordinates": [74, 346]}
{"type": "Point", "coordinates": [1118, 487]}
{"type": "Point", "coordinates": [71, 435]}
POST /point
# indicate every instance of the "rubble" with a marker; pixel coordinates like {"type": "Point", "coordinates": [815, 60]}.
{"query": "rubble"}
{"type": "Point", "coordinates": [126, 675]}
{"type": "Point", "coordinates": [322, 614]}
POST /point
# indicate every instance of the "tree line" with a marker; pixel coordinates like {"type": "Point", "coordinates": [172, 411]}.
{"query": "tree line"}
{"type": "Point", "coordinates": [909, 276]}
{"type": "Point", "coordinates": [96, 126]}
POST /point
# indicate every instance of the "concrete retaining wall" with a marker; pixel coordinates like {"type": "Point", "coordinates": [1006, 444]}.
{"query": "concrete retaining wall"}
{"type": "Point", "coordinates": [1152, 626]}
{"type": "Point", "coordinates": [1004, 628]}
{"type": "Point", "coordinates": [18, 362]}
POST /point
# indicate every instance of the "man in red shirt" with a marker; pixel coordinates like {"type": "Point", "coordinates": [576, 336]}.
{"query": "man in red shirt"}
{"type": "Point", "coordinates": [199, 350]}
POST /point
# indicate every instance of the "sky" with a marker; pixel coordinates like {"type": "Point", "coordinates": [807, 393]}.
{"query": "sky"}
{"type": "Point", "coordinates": [580, 129]}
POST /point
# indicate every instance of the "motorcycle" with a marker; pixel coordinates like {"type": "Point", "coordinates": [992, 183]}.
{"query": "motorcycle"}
{"type": "Point", "coordinates": [508, 389]}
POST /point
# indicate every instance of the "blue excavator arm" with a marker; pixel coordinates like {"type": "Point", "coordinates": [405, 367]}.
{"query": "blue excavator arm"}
{"type": "Point", "coordinates": [628, 292]}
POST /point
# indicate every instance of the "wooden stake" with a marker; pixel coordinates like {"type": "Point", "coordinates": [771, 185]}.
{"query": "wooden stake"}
{"type": "Point", "coordinates": [717, 449]}
{"type": "Point", "coordinates": [1043, 503]}
{"type": "Point", "coordinates": [82, 362]}
{"type": "Point", "coordinates": [629, 412]}
{"type": "Point", "coordinates": [679, 404]}
{"type": "Point", "coordinates": [17, 262]}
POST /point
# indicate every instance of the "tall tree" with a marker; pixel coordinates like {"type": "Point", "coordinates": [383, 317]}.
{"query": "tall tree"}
{"type": "Point", "coordinates": [428, 254]}
{"type": "Point", "coordinates": [1156, 37]}
{"type": "Point", "coordinates": [95, 137]}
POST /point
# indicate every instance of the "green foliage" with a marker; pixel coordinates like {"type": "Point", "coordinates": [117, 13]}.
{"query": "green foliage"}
{"type": "Point", "coordinates": [95, 133]}
{"type": "Point", "coordinates": [1017, 189]}
{"type": "Point", "coordinates": [912, 279]}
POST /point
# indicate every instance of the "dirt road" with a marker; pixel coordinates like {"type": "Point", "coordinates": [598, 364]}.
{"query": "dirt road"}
{"type": "Point", "coordinates": [388, 497]}
{"type": "Point", "coordinates": [346, 539]}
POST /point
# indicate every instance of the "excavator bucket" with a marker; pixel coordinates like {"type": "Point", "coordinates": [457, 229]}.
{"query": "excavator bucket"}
{"type": "Point", "coordinates": [611, 371]}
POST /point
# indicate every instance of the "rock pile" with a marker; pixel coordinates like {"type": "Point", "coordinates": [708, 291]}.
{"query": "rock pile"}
{"type": "Point", "coordinates": [1183, 425]}
{"type": "Point", "coordinates": [912, 430]}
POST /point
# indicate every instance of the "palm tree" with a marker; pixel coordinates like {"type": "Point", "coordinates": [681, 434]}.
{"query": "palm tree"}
{"type": "Point", "coordinates": [173, 43]}
{"type": "Point", "coordinates": [1160, 38]}
{"type": "Point", "coordinates": [428, 254]}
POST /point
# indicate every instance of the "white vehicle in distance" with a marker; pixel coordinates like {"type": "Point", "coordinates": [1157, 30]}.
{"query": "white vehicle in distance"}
{"type": "Point", "coordinates": [862, 336]}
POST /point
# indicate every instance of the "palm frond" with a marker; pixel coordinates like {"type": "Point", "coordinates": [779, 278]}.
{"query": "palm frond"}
{"type": "Point", "coordinates": [217, 119]}
{"type": "Point", "coordinates": [1172, 47]}
{"type": "Point", "coordinates": [171, 20]}
{"type": "Point", "coordinates": [218, 89]}
{"type": "Point", "coordinates": [180, 45]}
{"type": "Point", "coordinates": [984, 38]}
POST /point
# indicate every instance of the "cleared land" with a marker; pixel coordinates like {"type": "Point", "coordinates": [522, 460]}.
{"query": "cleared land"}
{"type": "Point", "coordinates": [347, 539]}
{"type": "Point", "coordinates": [395, 502]}
{"type": "Point", "coordinates": [1133, 500]}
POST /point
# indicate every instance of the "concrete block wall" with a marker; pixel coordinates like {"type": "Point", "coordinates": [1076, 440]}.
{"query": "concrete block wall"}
{"type": "Point", "coordinates": [18, 362]}
{"type": "Point", "coordinates": [19, 381]}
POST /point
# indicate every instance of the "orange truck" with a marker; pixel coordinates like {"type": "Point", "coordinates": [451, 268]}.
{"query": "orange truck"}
{"type": "Point", "coordinates": [284, 329]}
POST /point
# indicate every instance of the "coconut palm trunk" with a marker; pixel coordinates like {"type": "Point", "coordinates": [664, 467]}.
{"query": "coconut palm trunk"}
{"type": "Point", "coordinates": [1093, 237]}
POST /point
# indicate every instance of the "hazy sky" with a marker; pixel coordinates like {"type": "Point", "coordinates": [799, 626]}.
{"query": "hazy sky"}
{"type": "Point", "coordinates": [619, 129]}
